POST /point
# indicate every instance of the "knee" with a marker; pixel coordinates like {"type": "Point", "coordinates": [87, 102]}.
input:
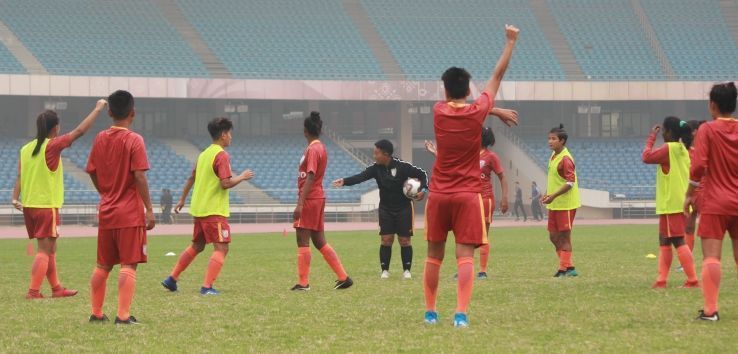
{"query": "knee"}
{"type": "Point", "coordinates": [405, 242]}
{"type": "Point", "coordinates": [198, 246]}
{"type": "Point", "coordinates": [387, 241]}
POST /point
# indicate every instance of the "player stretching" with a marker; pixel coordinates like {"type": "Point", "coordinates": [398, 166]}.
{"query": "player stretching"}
{"type": "Point", "coordinates": [672, 178]}
{"type": "Point", "coordinates": [561, 199]}
{"type": "Point", "coordinates": [489, 162]}
{"type": "Point", "coordinates": [117, 166]}
{"type": "Point", "coordinates": [396, 211]}
{"type": "Point", "coordinates": [715, 168]}
{"type": "Point", "coordinates": [41, 181]}
{"type": "Point", "coordinates": [455, 202]}
{"type": "Point", "coordinates": [309, 212]}
{"type": "Point", "coordinates": [212, 178]}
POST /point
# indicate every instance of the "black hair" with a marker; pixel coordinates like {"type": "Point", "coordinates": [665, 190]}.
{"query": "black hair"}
{"type": "Point", "coordinates": [313, 124]}
{"type": "Point", "coordinates": [560, 133]}
{"type": "Point", "coordinates": [488, 137]}
{"type": "Point", "coordinates": [456, 82]}
{"type": "Point", "coordinates": [45, 121]}
{"type": "Point", "coordinates": [695, 124]}
{"type": "Point", "coordinates": [218, 126]}
{"type": "Point", "coordinates": [385, 146]}
{"type": "Point", "coordinates": [120, 104]}
{"type": "Point", "coordinates": [724, 96]}
{"type": "Point", "coordinates": [679, 129]}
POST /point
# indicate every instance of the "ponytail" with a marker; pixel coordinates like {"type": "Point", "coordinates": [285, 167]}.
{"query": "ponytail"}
{"type": "Point", "coordinates": [45, 122]}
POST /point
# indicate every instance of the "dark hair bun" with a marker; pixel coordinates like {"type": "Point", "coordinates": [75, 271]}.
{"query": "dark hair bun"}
{"type": "Point", "coordinates": [561, 126]}
{"type": "Point", "coordinates": [315, 116]}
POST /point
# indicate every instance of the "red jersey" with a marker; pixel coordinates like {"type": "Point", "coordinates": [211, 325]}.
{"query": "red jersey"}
{"type": "Point", "coordinates": [659, 156]}
{"type": "Point", "coordinates": [458, 131]}
{"type": "Point", "coordinates": [566, 169]}
{"type": "Point", "coordinates": [222, 169]}
{"type": "Point", "coordinates": [314, 160]}
{"type": "Point", "coordinates": [715, 166]}
{"type": "Point", "coordinates": [490, 164]}
{"type": "Point", "coordinates": [54, 149]}
{"type": "Point", "coordinates": [116, 154]}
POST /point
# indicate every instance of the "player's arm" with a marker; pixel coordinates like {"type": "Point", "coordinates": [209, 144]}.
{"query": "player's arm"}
{"type": "Point", "coordinates": [504, 203]}
{"type": "Point", "coordinates": [508, 116]}
{"type": "Point", "coordinates": [697, 169]}
{"type": "Point", "coordinates": [307, 187]}
{"type": "Point", "coordinates": [16, 191]}
{"type": "Point", "coordinates": [87, 123]}
{"type": "Point", "coordinates": [493, 85]}
{"type": "Point", "coordinates": [363, 176]}
{"type": "Point", "coordinates": [655, 156]}
{"type": "Point", "coordinates": [142, 186]}
{"type": "Point", "coordinates": [430, 147]}
{"type": "Point", "coordinates": [230, 182]}
{"type": "Point", "coordinates": [185, 192]}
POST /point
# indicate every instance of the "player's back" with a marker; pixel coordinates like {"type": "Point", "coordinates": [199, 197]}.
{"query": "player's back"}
{"type": "Point", "coordinates": [720, 183]}
{"type": "Point", "coordinates": [458, 133]}
{"type": "Point", "coordinates": [116, 154]}
{"type": "Point", "coordinates": [314, 160]}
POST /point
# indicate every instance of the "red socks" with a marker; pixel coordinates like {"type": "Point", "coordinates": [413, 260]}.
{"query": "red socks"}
{"type": "Point", "coordinates": [331, 257]}
{"type": "Point", "coordinates": [214, 266]}
{"type": "Point", "coordinates": [711, 274]}
{"type": "Point", "coordinates": [126, 289]}
{"type": "Point", "coordinates": [565, 260]}
{"type": "Point", "coordinates": [303, 265]}
{"type": "Point", "coordinates": [483, 257]}
{"type": "Point", "coordinates": [665, 257]}
{"type": "Point", "coordinates": [184, 261]}
{"type": "Point", "coordinates": [97, 290]}
{"type": "Point", "coordinates": [51, 273]}
{"type": "Point", "coordinates": [38, 272]}
{"type": "Point", "coordinates": [687, 261]}
{"type": "Point", "coordinates": [465, 283]}
{"type": "Point", "coordinates": [430, 282]}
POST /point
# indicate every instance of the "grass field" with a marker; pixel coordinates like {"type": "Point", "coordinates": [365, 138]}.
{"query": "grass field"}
{"type": "Point", "coordinates": [609, 307]}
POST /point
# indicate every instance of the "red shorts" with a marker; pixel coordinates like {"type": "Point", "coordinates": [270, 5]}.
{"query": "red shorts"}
{"type": "Point", "coordinates": [672, 225]}
{"type": "Point", "coordinates": [212, 230]}
{"type": "Point", "coordinates": [489, 209]}
{"type": "Point", "coordinates": [42, 222]}
{"type": "Point", "coordinates": [561, 220]}
{"type": "Point", "coordinates": [121, 246]}
{"type": "Point", "coordinates": [714, 226]}
{"type": "Point", "coordinates": [313, 215]}
{"type": "Point", "coordinates": [462, 213]}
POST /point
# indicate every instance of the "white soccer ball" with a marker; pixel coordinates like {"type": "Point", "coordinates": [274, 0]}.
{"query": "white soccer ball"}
{"type": "Point", "coordinates": [411, 188]}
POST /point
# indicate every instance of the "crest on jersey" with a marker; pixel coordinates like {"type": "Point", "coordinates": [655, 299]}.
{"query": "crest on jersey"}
{"type": "Point", "coordinates": [482, 163]}
{"type": "Point", "coordinates": [393, 172]}
{"type": "Point", "coordinates": [225, 233]}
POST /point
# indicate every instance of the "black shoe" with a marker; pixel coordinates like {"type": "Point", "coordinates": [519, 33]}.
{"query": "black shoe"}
{"type": "Point", "coordinates": [299, 287]}
{"type": "Point", "coordinates": [344, 284]}
{"type": "Point", "coordinates": [560, 273]}
{"type": "Point", "coordinates": [130, 321]}
{"type": "Point", "coordinates": [95, 319]}
{"type": "Point", "coordinates": [702, 316]}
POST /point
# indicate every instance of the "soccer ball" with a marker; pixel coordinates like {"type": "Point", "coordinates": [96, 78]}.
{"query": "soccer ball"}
{"type": "Point", "coordinates": [411, 188]}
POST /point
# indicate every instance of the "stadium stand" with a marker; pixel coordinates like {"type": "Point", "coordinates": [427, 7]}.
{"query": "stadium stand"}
{"type": "Point", "coordinates": [425, 37]}
{"type": "Point", "coordinates": [696, 40]}
{"type": "Point", "coordinates": [253, 40]}
{"type": "Point", "coordinates": [112, 38]}
{"type": "Point", "coordinates": [8, 63]}
{"type": "Point", "coordinates": [606, 39]}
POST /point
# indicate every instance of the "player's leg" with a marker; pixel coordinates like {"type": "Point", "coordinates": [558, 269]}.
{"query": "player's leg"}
{"type": "Point", "coordinates": [331, 257]}
{"type": "Point", "coordinates": [40, 266]}
{"type": "Point", "coordinates": [126, 291]}
{"type": "Point", "coordinates": [665, 258]}
{"type": "Point", "coordinates": [483, 257]}
{"type": "Point", "coordinates": [131, 244]}
{"type": "Point", "coordinates": [431, 273]}
{"type": "Point", "coordinates": [220, 251]}
{"type": "Point", "coordinates": [98, 284]}
{"type": "Point", "coordinates": [690, 229]}
{"type": "Point", "coordinates": [57, 289]}
{"type": "Point", "coordinates": [184, 261]}
{"type": "Point", "coordinates": [385, 253]}
{"type": "Point", "coordinates": [406, 253]}
{"type": "Point", "coordinates": [303, 259]}
{"type": "Point", "coordinates": [465, 283]}
{"type": "Point", "coordinates": [686, 260]}
{"type": "Point", "coordinates": [566, 253]}
{"type": "Point", "coordinates": [711, 231]}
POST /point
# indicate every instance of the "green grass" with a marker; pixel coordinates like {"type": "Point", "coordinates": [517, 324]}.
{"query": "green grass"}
{"type": "Point", "coordinates": [609, 307]}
